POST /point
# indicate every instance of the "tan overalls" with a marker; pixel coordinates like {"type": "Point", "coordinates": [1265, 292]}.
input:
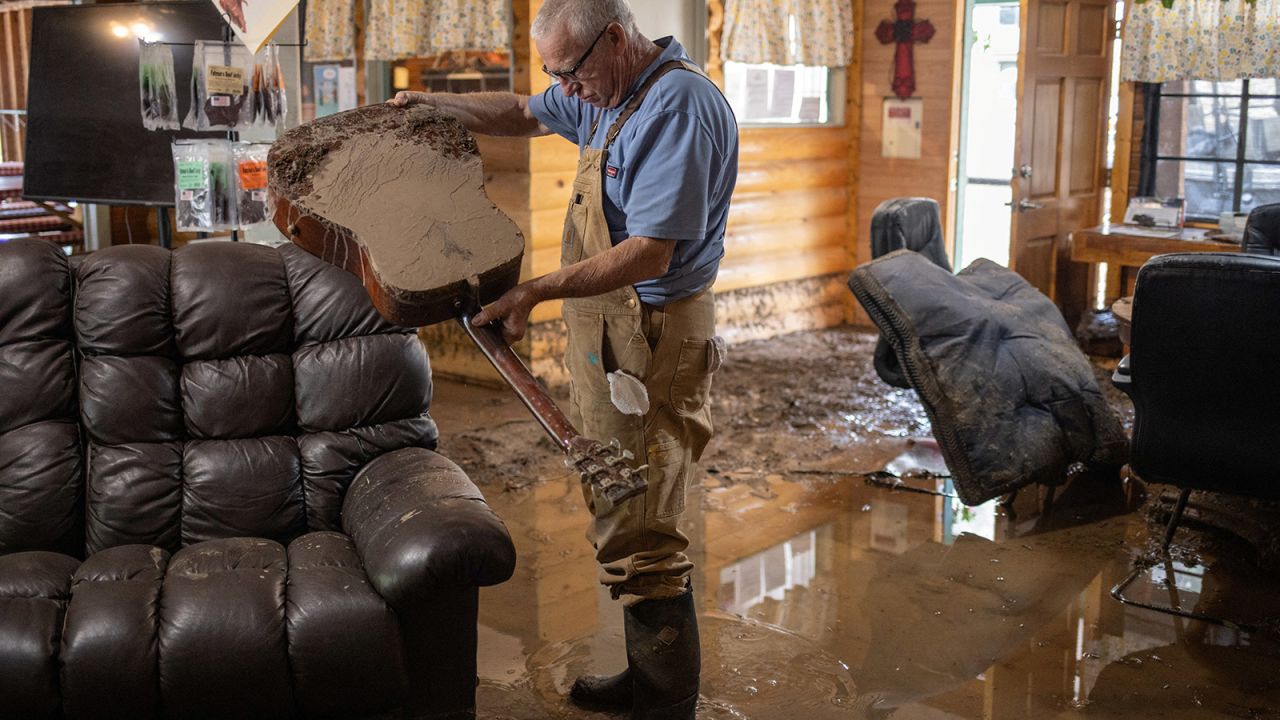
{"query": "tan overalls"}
{"type": "Point", "coordinates": [639, 546]}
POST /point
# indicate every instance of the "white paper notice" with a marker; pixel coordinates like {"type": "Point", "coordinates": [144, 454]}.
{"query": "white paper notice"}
{"type": "Point", "coordinates": [784, 93]}
{"type": "Point", "coordinates": [757, 94]}
{"type": "Point", "coordinates": [346, 88]}
{"type": "Point", "coordinates": [811, 109]}
{"type": "Point", "coordinates": [901, 128]}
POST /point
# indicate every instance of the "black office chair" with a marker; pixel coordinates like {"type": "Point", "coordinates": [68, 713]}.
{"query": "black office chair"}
{"type": "Point", "coordinates": [1205, 347]}
{"type": "Point", "coordinates": [1262, 231]}
{"type": "Point", "coordinates": [911, 223]}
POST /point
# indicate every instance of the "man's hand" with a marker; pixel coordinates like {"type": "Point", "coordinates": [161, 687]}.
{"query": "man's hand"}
{"type": "Point", "coordinates": [511, 310]}
{"type": "Point", "coordinates": [409, 98]}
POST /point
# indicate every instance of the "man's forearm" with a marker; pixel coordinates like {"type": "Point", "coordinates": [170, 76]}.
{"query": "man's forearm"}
{"type": "Point", "coordinates": [490, 113]}
{"type": "Point", "coordinates": [634, 260]}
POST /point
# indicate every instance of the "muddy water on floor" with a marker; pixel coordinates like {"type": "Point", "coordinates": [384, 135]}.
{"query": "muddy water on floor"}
{"type": "Point", "coordinates": [822, 596]}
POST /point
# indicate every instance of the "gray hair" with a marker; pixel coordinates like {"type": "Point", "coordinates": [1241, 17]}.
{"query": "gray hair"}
{"type": "Point", "coordinates": [583, 19]}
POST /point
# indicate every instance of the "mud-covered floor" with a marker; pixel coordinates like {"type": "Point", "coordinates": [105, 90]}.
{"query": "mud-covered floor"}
{"type": "Point", "coordinates": [823, 596]}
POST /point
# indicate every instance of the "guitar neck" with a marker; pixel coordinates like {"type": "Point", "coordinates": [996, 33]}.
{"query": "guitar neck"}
{"type": "Point", "coordinates": [516, 374]}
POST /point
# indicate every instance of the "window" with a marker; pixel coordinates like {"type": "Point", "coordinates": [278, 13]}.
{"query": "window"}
{"type": "Point", "coordinates": [784, 94]}
{"type": "Point", "coordinates": [1216, 144]}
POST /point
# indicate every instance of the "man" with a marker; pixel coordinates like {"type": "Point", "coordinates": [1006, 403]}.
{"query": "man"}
{"type": "Point", "coordinates": [642, 244]}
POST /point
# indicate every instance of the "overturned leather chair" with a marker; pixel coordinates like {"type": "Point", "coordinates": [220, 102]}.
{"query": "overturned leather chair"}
{"type": "Point", "coordinates": [1011, 398]}
{"type": "Point", "coordinates": [907, 223]}
{"type": "Point", "coordinates": [218, 495]}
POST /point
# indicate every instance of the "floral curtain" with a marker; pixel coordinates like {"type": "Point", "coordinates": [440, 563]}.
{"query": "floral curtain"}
{"type": "Point", "coordinates": [412, 28]}
{"type": "Point", "coordinates": [330, 31]}
{"type": "Point", "coordinates": [788, 32]}
{"type": "Point", "coordinates": [1201, 40]}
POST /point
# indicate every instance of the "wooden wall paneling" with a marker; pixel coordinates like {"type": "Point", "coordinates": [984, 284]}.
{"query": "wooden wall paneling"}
{"type": "Point", "coordinates": [9, 98]}
{"type": "Point", "coordinates": [881, 178]}
{"type": "Point", "coordinates": [1125, 143]}
{"type": "Point", "coordinates": [788, 206]}
{"type": "Point", "coordinates": [715, 33]}
{"type": "Point", "coordinates": [759, 177]}
{"type": "Point", "coordinates": [24, 54]}
{"type": "Point", "coordinates": [756, 271]}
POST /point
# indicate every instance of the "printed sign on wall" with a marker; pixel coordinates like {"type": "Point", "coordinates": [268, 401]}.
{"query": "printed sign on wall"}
{"type": "Point", "coordinates": [901, 128]}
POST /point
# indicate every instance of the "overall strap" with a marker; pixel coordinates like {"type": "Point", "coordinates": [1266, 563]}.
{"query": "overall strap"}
{"type": "Point", "coordinates": [634, 103]}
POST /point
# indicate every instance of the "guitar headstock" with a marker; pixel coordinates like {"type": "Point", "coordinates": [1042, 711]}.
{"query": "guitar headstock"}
{"type": "Point", "coordinates": [610, 469]}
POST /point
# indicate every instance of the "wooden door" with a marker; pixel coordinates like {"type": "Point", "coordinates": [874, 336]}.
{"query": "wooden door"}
{"type": "Point", "coordinates": [1064, 66]}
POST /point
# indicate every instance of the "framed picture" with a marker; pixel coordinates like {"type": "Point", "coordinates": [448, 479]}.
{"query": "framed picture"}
{"type": "Point", "coordinates": [1154, 212]}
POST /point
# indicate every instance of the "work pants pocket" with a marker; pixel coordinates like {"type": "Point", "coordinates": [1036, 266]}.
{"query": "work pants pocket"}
{"type": "Point", "coordinates": [698, 360]}
{"type": "Point", "coordinates": [668, 476]}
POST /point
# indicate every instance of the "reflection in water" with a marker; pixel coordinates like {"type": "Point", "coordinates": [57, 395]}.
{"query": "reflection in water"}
{"type": "Point", "coordinates": [821, 596]}
{"type": "Point", "coordinates": [769, 574]}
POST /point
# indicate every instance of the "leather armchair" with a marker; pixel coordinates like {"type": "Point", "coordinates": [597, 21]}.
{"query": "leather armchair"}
{"type": "Point", "coordinates": [219, 496]}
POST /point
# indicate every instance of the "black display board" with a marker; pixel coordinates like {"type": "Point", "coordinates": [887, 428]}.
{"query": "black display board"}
{"type": "Point", "coordinates": [85, 139]}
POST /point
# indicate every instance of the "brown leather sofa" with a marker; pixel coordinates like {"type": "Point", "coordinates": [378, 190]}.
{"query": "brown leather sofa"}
{"type": "Point", "coordinates": [218, 495]}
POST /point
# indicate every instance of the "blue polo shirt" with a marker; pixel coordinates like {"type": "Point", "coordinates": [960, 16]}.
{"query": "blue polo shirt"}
{"type": "Point", "coordinates": [670, 172]}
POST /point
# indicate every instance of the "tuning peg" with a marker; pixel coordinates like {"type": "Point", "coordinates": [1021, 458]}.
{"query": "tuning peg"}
{"type": "Point", "coordinates": [628, 455]}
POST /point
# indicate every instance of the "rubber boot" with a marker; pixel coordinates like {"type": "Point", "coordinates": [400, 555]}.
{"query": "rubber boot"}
{"type": "Point", "coordinates": [602, 692]}
{"type": "Point", "coordinates": [664, 658]}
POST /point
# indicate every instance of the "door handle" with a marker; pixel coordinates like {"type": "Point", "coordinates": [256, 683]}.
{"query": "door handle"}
{"type": "Point", "coordinates": [1024, 205]}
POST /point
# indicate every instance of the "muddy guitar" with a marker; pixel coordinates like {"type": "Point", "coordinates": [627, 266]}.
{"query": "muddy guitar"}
{"type": "Point", "coordinates": [396, 197]}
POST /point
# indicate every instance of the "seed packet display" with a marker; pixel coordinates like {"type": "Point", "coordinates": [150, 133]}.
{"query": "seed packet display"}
{"type": "Point", "coordinates": [157, 86]}
{"type": "Point", "coordinates": [266, 104]}
{"type": "Point", "coordinates": [251, 182]}
{"type": "Point", "coordinates": [220, 75]}
{"type": "Point", "coordinates": [203, 185]}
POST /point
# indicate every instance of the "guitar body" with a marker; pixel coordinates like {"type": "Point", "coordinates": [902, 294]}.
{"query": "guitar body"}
{"type": "Point", "coordinates": [396, 197]}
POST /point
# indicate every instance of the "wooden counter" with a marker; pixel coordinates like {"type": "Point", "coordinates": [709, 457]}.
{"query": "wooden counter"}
{"type": "Point", "coordinates": [1124, 252]}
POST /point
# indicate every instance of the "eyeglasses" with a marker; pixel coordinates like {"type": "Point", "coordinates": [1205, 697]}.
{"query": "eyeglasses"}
{"type": "Point", "coordinates": [572, 73]}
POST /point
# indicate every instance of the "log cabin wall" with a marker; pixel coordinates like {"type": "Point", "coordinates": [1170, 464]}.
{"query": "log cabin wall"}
{"type": "Point", "coordinates": [789, 245]}
{"type": "Point", "coordinates": [937, 67]}
{"type": "Point", "coordinates": [15, 39]}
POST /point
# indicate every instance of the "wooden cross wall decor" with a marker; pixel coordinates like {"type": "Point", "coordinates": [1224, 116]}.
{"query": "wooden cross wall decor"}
{"type": "Point", "coordinates": [905, 31]}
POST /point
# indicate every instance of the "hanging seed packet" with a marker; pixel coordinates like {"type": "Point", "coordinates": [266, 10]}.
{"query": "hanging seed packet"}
{"type": "Point", "coordinates": [265, 106]}
{"type": "Point", "coordinates": [222, 184]}
{"type": "Point", "coordinates": [220, 77]}
{"type": "Point", "coordinates": [157, 86]}
{"type": "Point", "coordinates": [193, 193]}
{"type": "Point", "coordinates": [277, 99]}
{"type": "Point", "coordinates": [251, 182]}
{"type": "Point", "coordinates": [204, 185]}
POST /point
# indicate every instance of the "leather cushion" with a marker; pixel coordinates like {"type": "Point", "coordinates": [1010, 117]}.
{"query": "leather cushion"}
{"type": "Point", "coordinates": [223, 648]}
{"type": "Point", "coordinates": [40, 473]}
{"type": "Point", "coordinates": [110, 648]}
{"type": "Point", "coordinates": [381, 377]}
{"type": "Point", "coordinates": [249, 487]}
{"type": "Point", "coordinates": [239, 397]}
{"type": "Point", "coordinates": [344, 641]}
{"type": "Point", "coordinates": [209, 321]}
{"type": "Point", "coordinates": [122, 302]}
{"type": "Point", "coordinates": [130, 399]}
{"type": "Point", "coordinates": [330, 461]}
{"type": "Point", "coordinates": [328, 302]}
{"type": "Point", "coordinates": [34, 587]}
{"type": "Point", "coordinates": [134, 495]}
